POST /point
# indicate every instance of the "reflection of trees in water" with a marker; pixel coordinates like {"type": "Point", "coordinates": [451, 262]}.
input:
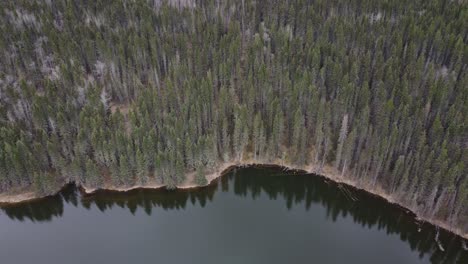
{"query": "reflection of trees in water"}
{"type": "Point", "coordinates": [149, 199]}
{"type": "Point", "coordinates": [36, 211]}
{"type": "Point", "coordinates": [44, 209]}
{"type": "Point", "coordinates": [364, 208]}
{"type": "Point", "coordinates": [338, 200]}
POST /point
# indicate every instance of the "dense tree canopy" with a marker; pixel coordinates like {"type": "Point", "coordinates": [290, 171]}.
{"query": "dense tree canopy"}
{"type": "Point", "coordinates": [124, 92]}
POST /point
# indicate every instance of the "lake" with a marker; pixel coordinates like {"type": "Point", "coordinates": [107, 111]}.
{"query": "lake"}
{"type": "Point", "coordinates": [250, 215]}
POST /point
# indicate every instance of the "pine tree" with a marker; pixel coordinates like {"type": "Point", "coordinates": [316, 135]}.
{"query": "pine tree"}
{"type": "Point", "coordinates": [200, 178]}
{"type": "Point", "coordinates": [93, 178]}
{"type": "Point", "coordinates": [141, 168]}
{"type": "Point", "coordinates": [341, 140]}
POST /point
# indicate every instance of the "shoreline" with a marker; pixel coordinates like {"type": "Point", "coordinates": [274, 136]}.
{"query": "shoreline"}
{"type": "Point", "coordinates": [326, 172]}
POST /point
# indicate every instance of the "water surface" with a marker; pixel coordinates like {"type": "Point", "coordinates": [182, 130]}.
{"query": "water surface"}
{"type": "Point", "coordinates": [250, 215]}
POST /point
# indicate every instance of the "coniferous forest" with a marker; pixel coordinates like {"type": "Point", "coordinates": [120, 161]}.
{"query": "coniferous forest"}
{"type": "Point", "coordinates": [127, 92]}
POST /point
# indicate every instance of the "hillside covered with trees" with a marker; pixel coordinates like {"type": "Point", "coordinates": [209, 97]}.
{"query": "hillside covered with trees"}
{"type": "Point", "coordinates": [125, 92]}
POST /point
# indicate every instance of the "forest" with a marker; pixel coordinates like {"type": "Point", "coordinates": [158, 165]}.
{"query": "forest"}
{"type": "Point", "coordinates": [125, 92]}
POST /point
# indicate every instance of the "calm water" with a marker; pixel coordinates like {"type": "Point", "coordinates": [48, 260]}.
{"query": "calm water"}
{"type": "Point", "coordinates": [248, 216]}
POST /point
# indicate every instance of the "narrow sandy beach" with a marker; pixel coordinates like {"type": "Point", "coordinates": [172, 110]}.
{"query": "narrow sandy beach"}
{"type": "Point", "coordinates": [326, 172]}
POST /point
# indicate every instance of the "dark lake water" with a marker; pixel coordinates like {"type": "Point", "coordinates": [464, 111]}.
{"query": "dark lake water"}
{"type": "Point", "coordinates": [248, 216]}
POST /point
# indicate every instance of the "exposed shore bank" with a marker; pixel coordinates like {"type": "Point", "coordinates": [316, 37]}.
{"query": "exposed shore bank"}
{"type": "Point", "coordinates": [329, 173]}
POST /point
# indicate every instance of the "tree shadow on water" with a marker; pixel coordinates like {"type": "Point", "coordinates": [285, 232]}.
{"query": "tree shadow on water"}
{"type": "Point", "coordinates": [297, 190]}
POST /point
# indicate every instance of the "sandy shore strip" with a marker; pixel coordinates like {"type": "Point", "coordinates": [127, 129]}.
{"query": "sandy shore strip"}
{"type": "Point", "coordinates": [326, 172]}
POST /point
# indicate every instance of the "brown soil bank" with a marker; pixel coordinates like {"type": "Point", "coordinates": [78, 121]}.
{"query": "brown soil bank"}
{"type": "Point", "coordinates": [24, 195]}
